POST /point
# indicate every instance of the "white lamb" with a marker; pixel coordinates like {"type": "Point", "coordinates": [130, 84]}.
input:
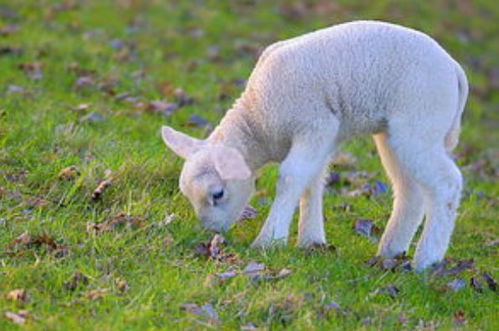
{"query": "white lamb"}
{"type": "Point", "coordinates": [307, 95]}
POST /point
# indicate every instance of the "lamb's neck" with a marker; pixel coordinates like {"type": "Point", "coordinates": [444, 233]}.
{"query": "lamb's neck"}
{"type": "Point", "coordinates": [237, 130]}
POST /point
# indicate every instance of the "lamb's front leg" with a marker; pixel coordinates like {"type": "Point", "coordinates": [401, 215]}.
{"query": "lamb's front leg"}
{"type": "Point", "coordinates": [311, 224]}
{"type": "Point", "coordinates": [304, 162]}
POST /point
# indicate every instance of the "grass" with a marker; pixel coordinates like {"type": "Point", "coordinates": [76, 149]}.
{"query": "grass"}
{"type": "Point", "coordinates": [206, 47]}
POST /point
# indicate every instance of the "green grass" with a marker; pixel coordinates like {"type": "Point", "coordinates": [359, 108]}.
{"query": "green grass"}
{"type": "Point", "coordinates": [204, 47]}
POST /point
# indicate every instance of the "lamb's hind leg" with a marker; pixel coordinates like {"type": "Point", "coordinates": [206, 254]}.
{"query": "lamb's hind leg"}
{"type": "Point", "coordinates": [408, 207]}
{"type": "Point", "coordinates": [311, 224]}
{"type": "Point", "coordinates": [428, 163]}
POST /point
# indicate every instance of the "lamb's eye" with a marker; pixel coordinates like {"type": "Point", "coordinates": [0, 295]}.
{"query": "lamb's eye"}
{"type": "Point", "coordinates": [217, 195]}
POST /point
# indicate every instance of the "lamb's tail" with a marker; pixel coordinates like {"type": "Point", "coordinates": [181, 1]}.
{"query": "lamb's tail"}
{"type": "Point", "coordinates": [452, 137]}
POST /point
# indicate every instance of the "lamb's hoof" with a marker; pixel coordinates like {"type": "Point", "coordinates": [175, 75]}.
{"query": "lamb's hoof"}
{"type": "Point", "coordinates": [312, 243]}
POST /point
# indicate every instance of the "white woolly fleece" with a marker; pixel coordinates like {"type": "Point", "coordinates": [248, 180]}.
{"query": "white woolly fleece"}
{"type": "Point", "coordinates": [308, 94]}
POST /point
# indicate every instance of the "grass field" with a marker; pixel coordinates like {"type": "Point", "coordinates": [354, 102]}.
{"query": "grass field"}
{"type": "Point", "coordinates": [89, 83]}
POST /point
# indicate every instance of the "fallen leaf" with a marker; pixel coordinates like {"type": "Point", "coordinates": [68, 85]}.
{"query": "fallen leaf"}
{"type": "Point", "coordinates": [444, 269]}
{"type": "Point", "coordinates": [122, 285]}
{"type": "Point", "coordinates": [459, 317]}
{"type": "Point", "coordinates": [254, 269]}
{"type": "Point", "coordinates": [104, 185]}
{"type": "Point", "coordinates": [77, 279]}
{"type": "Point", "coordinates": [376, 188]}
{"type": "Point", "coordinates": [81, 107]}
{"type": "Point", "coordinates": [182, 98]}
{"type": "Point", "coordinates": [96, 294]}
{"type": "Point", "coordinates": [84, 81]}
{"type": "Point", "coordinates": [19, 317]}
{"type": "Point", "coordinates": [20, 295]}
{"type": "Point", "coordinates": [390, 289]}
{"type": "Point", "coordinates": [476, 284]}
{"type": "Point", "coordinates": [206, 311]}
{"type": "Point", "coordinates": [490, 281]}
{"type": "Point", "coordinates": [8, 29]}
{"type": "Point", "coordinates": [366, 228]}
{"type": "Point", "coordinates": [38, 241]}
{"type": "Point", "coordinates": [160, 107]}
{"type": "Point", "coordinates": [168, 241]}
{"type": "Point", "coordinates": [332, 306]}
{"type": "Point", "coordinates": [248, 327]}
{"type": "Point", "coordinates": [333, 178]}
{"type": "Point", "coordinates": [455, 285]}
{"type": "Point", "coordinates": [344, 159]}
{"type": "Point", "coordinates": [198, 121]}
{"type": "Point", "coordinates": [24, 239]}
{"type": "Point", "coordinates": [92, 117]}
{"type": "Point", "coordinates": [33, 70]}
{"type": "Point", "coordinates": [69, 173]}
{"type": "Point", "coordinates": [14, 89]}
{"type": "Point", "coordinates": [37, 202]}
{"type": "Point", "coordinates": [227, 275]}
{"type": "Point", "coordinates": [11, 50]}
{"type": "Point", "coordinates": [111, 224]}
{"type": "Point", "coordinates": [213, 249]}
{"type": "Point", "coordinates": [248, 213]}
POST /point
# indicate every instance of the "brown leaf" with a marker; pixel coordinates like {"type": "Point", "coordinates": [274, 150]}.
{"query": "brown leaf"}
{"type": "Point", "coordinates": [76, 280]}
{"type": "Point", "coordinates": [111, 224]}
{"type": "Point", "coordinates": [255, 271]}
{"type": "Point", "coordinates": [122, 285]}
{"type": "Point", "coordinates": [38, 241]}
{"type": "Point", "coordinates": [96, 294]}
{"type": "Point", "coordinates": [444, 269]}
{"type": "Point", "coordinates": [401, 261]}
{"type": "Point", "coordinates": [459, 317]}
{"type": "Point", "coordinates": [23, 239]}
{"type": "Point", "coordinates": [69, 173]}
{"type": "Point", "coordinates": [160, 107]}
{"type": "Point", "coordinates": [168, 241]}
{"type": "Point", "coordinates": [20, 295]}
{"type": "Point", "coordinates": [182, 98]}
{"type": "Point", "coordinates": [248, 213]}
{"type": "Point", "coordinates": [213, 249]}
{"type": "Point", "coordinates": [33, 70]}
{"type": "Point", "coordinates": [104, 185]}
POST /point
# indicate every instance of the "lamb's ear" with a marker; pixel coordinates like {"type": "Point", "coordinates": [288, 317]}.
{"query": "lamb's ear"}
{"type": "Point", "coordinates": [180, 143]}
{"type": "Point", "coordinates": [230, 164]}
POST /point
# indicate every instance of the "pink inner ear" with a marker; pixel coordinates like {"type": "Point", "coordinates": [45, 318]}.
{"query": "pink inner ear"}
{"type": "Point", "coordinates": [230, 164]}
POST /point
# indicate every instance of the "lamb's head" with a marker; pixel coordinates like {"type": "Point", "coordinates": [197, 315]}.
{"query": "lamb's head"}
{"type": "Point", "coordinates": [215, 178]}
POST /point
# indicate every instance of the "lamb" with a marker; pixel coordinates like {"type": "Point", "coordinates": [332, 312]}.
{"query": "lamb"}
{"type": "Point", "coordinates": [309, 94]}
